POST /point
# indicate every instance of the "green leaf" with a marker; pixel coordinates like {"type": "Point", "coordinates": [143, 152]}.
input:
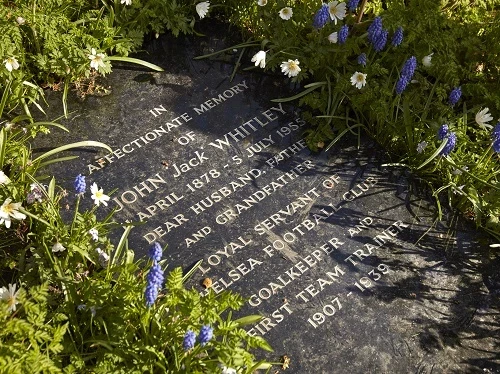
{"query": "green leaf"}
{"type": "Point", "coordinates": [262, 343]}
{"type": "Point", "coordinates": [341, 135]}
{"type": "Point", "coordinates": [135, 61]}
{"type": "Point", "coordinates": [262, 365]}
{"type": "Point", "coordinates": [309, 88]}
{"type": "Point", "coordinates": [121, 245]}
{"type": "Point", "coordinates": [51, 189]}
{"type": "Point", "coordinates": [242, 45]}
{"type": "Point", "coordinates": [191, 271]}
{"type": "Point", "coordinates": [67, 147]}
{"type": "Point", "coordinates": [3, 145]}
{"type": "Point", "coordinates": [248, 320]}
{"type": "Point", "coordinates": [129, 257]}
{"type": "Point", "coordinates": [174, 281]}
{"type": "Point", "coordinates": [56, 160]}
{"type": "Point", "coordinates": [435, 154]}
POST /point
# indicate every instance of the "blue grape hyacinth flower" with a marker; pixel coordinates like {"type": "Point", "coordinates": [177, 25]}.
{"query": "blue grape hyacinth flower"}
{"type": "Point", "coordinates": [189, 340]}
{"type": "Point", "coordinates": [352, 5]}
{"type": "Point", "coordinates": [374, 29]}
{"type": "Point", "coordinates": [343, 33]}
{"type": "Point", "coordinates": [321, 17]}
{"type": "Point", "coordinates": [155, 275]}
{"type": "Point", "coordinates": [206, 333]}
{"type": "Point", "coordinates": [455, 95]}
{"type": "Point", "coordinates": [154, 284]}
{"type": "Point", "coordinates": [450, 145]}
{"type": "Point", "coordinates": [409, 67]}
{"type": "Point", "coordinates": [397, 38]}
{"type": "Point", "coordinates": [496, 131]}
{"type": "Point", "coordinates": [151, 294]}
{"type": "Point", "coordinates": [496, 145]}
{"type": "Point", "coordinates": [155, 252]}
{"type": "Point", "coordinates": [407, 72]}
{"type": "Point", "coordinates": [443, 132]}
{"type": "Point", "coordinates": [362, 59]}
{"type": "Point", "coordinates": [401, 84]}
{"type": "Point", "coordinates": [495, 134]}
{"type": "Point", "coordinates": [380, 41]}
{"type": "Point", "coordinates": [80, 185]}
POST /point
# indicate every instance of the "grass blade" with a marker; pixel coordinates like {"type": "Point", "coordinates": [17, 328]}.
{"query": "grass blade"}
{"type": "Point", "coordinates": [243, 45]}
{"type": "Point", "coordinates": [135, 61]}
{"type": "Point", "coordinates": [87, 143]}
{"type": "Point", "coordinates": [309, 88]}
{"type": "Point", "coordinates": [339, 136]}
{"type": "Point", "coordinates": [435, 154]}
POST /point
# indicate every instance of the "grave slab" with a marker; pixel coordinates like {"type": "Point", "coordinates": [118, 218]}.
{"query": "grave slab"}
{"type": "Point", "coordinates": [350, 269]}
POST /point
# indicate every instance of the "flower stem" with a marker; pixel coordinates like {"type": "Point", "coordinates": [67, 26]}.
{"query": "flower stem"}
{"type": "Point", "coordinates": [76, 213]}
{"type": "Point", "coordinates": [361, 11]}
{"type": "Point", "coordinates": [22, 210]}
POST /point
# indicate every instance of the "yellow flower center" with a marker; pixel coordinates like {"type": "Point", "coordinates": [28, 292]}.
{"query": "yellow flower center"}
{"type": "Point", "coordinates": [11, 301]}
{"type": "Point", "coordinates": [8, 208]}
{"type": "Point", "coordinates": [98, 194]}
{"type": "Point", "coordinates": [359, 78]}
{"type": "Point", "coordinates": [292, 66]}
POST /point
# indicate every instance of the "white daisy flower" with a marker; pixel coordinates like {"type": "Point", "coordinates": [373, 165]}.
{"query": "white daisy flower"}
{"type": "Point", "coordinates": [98, 195]}
{"type": "Point", "coordinates": [20, 20]}
{"type": "Point", "coordinates": [483, 117]}
{"type": "Point", "coordinates": [96, 59]}
{"type": "Point", "coordinates": [10, 210]}
{"type": "Point", "coordinates": [58, 247]}
{"type": "Point", "coordinates": [262, 2]}
{"type": "Point", "coordinates": [3, 178]}
{"type": "Point", "coordinates": [333, 37]}
{"type": "Point", "coordinates": [286, 13]}
{"type": "Point", "coordinates": [358, 79]}
{"type": "Point", "coordinates": [126, 2]}
{"type": "Point", "coordinates": [10, 296]}
{"type": "Point", "coordinates": [426, 61]}
{"type": "Point", "coordinates": [290, 68]}
{"type": "Point", "coordinates": [94, 234]}
{"type": "Point", "coordinates": [260, 59]}
{"type": "Point", "coordinates": [337, 10]}
{"type": "Point", "coordinates": [421, 146]}
{"type": "Point", "coordinates": [202, 8]}
{"type": "Point", "coordinates": [11, 64]}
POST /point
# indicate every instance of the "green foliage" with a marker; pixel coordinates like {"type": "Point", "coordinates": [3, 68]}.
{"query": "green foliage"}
{"type": "Point", "coordinates": [81, 304]}
{"type": "Point", "coordinates": [52, 40]}
{"type": "Point", "coordinates": [32, 339]}
{"type": "Point", "coordinates": [463, 38]}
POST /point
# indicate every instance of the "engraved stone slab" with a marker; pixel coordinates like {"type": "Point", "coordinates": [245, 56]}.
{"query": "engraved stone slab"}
{"type": "Point", "coordinates": [350, 271]}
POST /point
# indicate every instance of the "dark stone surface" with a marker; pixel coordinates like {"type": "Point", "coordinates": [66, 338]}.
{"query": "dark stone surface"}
{"type": "Point", "coordinates": [423, 303]}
